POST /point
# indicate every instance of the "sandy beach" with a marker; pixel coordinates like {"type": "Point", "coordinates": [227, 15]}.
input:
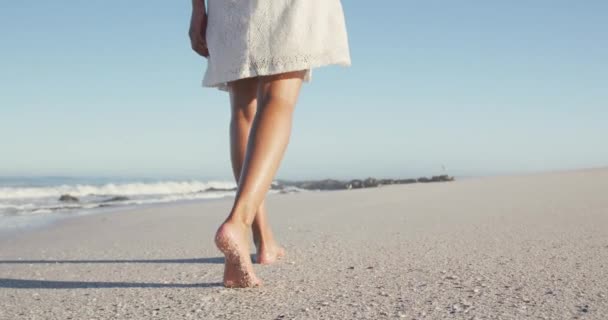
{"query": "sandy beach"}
{"type": "Point", "coordinates": [518, 247]}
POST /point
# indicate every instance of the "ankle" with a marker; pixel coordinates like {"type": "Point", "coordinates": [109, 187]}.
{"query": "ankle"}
{"type": "Point", "coordinates": [266, 243]}
{"type": "Point", "coordinates": [234, 221]}
{"type": "Point", "coordinates": [242, 214]}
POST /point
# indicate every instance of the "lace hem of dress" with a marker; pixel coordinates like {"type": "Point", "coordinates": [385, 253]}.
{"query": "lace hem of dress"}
{"type": "Point", "coordinates": [280, 65]}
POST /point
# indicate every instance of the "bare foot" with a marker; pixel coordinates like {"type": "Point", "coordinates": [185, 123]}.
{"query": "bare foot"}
{"type": "Point", "coordinates": [231, 239]}
{"type": "Point", "coordinates": [269, 254]}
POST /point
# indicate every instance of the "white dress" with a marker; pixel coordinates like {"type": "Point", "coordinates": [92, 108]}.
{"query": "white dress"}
{"type": "Point", "coordinates": [248, 38]}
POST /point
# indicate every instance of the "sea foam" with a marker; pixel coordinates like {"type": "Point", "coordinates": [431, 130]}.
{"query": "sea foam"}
{"type": "Point", "coordinates": [125, 189]}
{"type": "Point", "coordinates": [45, 199]}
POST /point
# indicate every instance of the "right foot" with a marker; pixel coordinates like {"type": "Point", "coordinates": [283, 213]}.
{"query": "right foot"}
{"type": "Point", "coordinates": [269, 254]}
{"type": "Point", "coordinates": [231, 239]}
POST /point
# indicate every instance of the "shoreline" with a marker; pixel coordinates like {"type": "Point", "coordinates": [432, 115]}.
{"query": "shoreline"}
{"type": "Point", "coordinates": [49, 220]}
{"type": "Point", "coordinates": [52, 219]}
{"type": "Point", "coordinates": [69, 205]}
{"type": "Point", "coordinates": [41, 202]}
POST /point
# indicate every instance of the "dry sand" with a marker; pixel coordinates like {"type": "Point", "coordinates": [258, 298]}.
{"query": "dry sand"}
{"type": "Point", "coordinates": [520, 247]}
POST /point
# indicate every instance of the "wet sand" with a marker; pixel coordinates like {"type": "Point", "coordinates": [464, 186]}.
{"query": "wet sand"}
{"type": "Point", "coordinates": [518, 247]}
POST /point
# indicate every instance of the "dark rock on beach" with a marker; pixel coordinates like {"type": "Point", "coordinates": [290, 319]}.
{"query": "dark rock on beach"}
{"type": "Point", "coordinates": [442, 178]}
{"type": "Point", "coordinates": [211, 189]}
{"type": "Point", "coordinates": [370, 182]}
{"type": "Point", "coordinates": [405, 181]}
{"type": "Point", "coordinates": [68, 198]}
{"type": "Point", "coordinates": [355, 184]}
{"type": "Point", "coordinates": [383, 182]}
{"type": "Point", "coordinates": [332, 184]}
{"type": "Point", "coordinates": [327, 184]}
{"type": "Point", "coordinates": [117, 198]}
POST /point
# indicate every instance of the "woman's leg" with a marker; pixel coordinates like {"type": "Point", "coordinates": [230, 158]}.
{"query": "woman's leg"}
{"type": "Point", "coordinates": [243, 101]}
{"type": "Point", "coordinates": [268, 139]}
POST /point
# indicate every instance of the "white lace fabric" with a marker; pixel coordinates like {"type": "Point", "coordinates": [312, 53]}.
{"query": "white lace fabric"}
{"type": "Point", "coordinates": [248, 38]}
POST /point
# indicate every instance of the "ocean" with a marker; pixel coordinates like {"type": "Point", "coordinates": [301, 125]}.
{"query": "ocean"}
{"type": "Point", "coordinates": [32, 201]}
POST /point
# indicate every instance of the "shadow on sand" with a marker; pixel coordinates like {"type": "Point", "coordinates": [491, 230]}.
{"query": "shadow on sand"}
{"type": "Point", "coordinates": [215, 260]}
{"type": "Point", "coordinates": [49, 284]}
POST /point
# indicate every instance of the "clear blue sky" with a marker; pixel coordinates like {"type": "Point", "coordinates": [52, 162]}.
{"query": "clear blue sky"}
{"type": "Point", "coordinates": [482, 87]}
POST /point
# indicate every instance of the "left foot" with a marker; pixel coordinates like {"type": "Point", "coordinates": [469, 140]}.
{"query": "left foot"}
{"type": "Point", "coordinates": [231, 239]}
